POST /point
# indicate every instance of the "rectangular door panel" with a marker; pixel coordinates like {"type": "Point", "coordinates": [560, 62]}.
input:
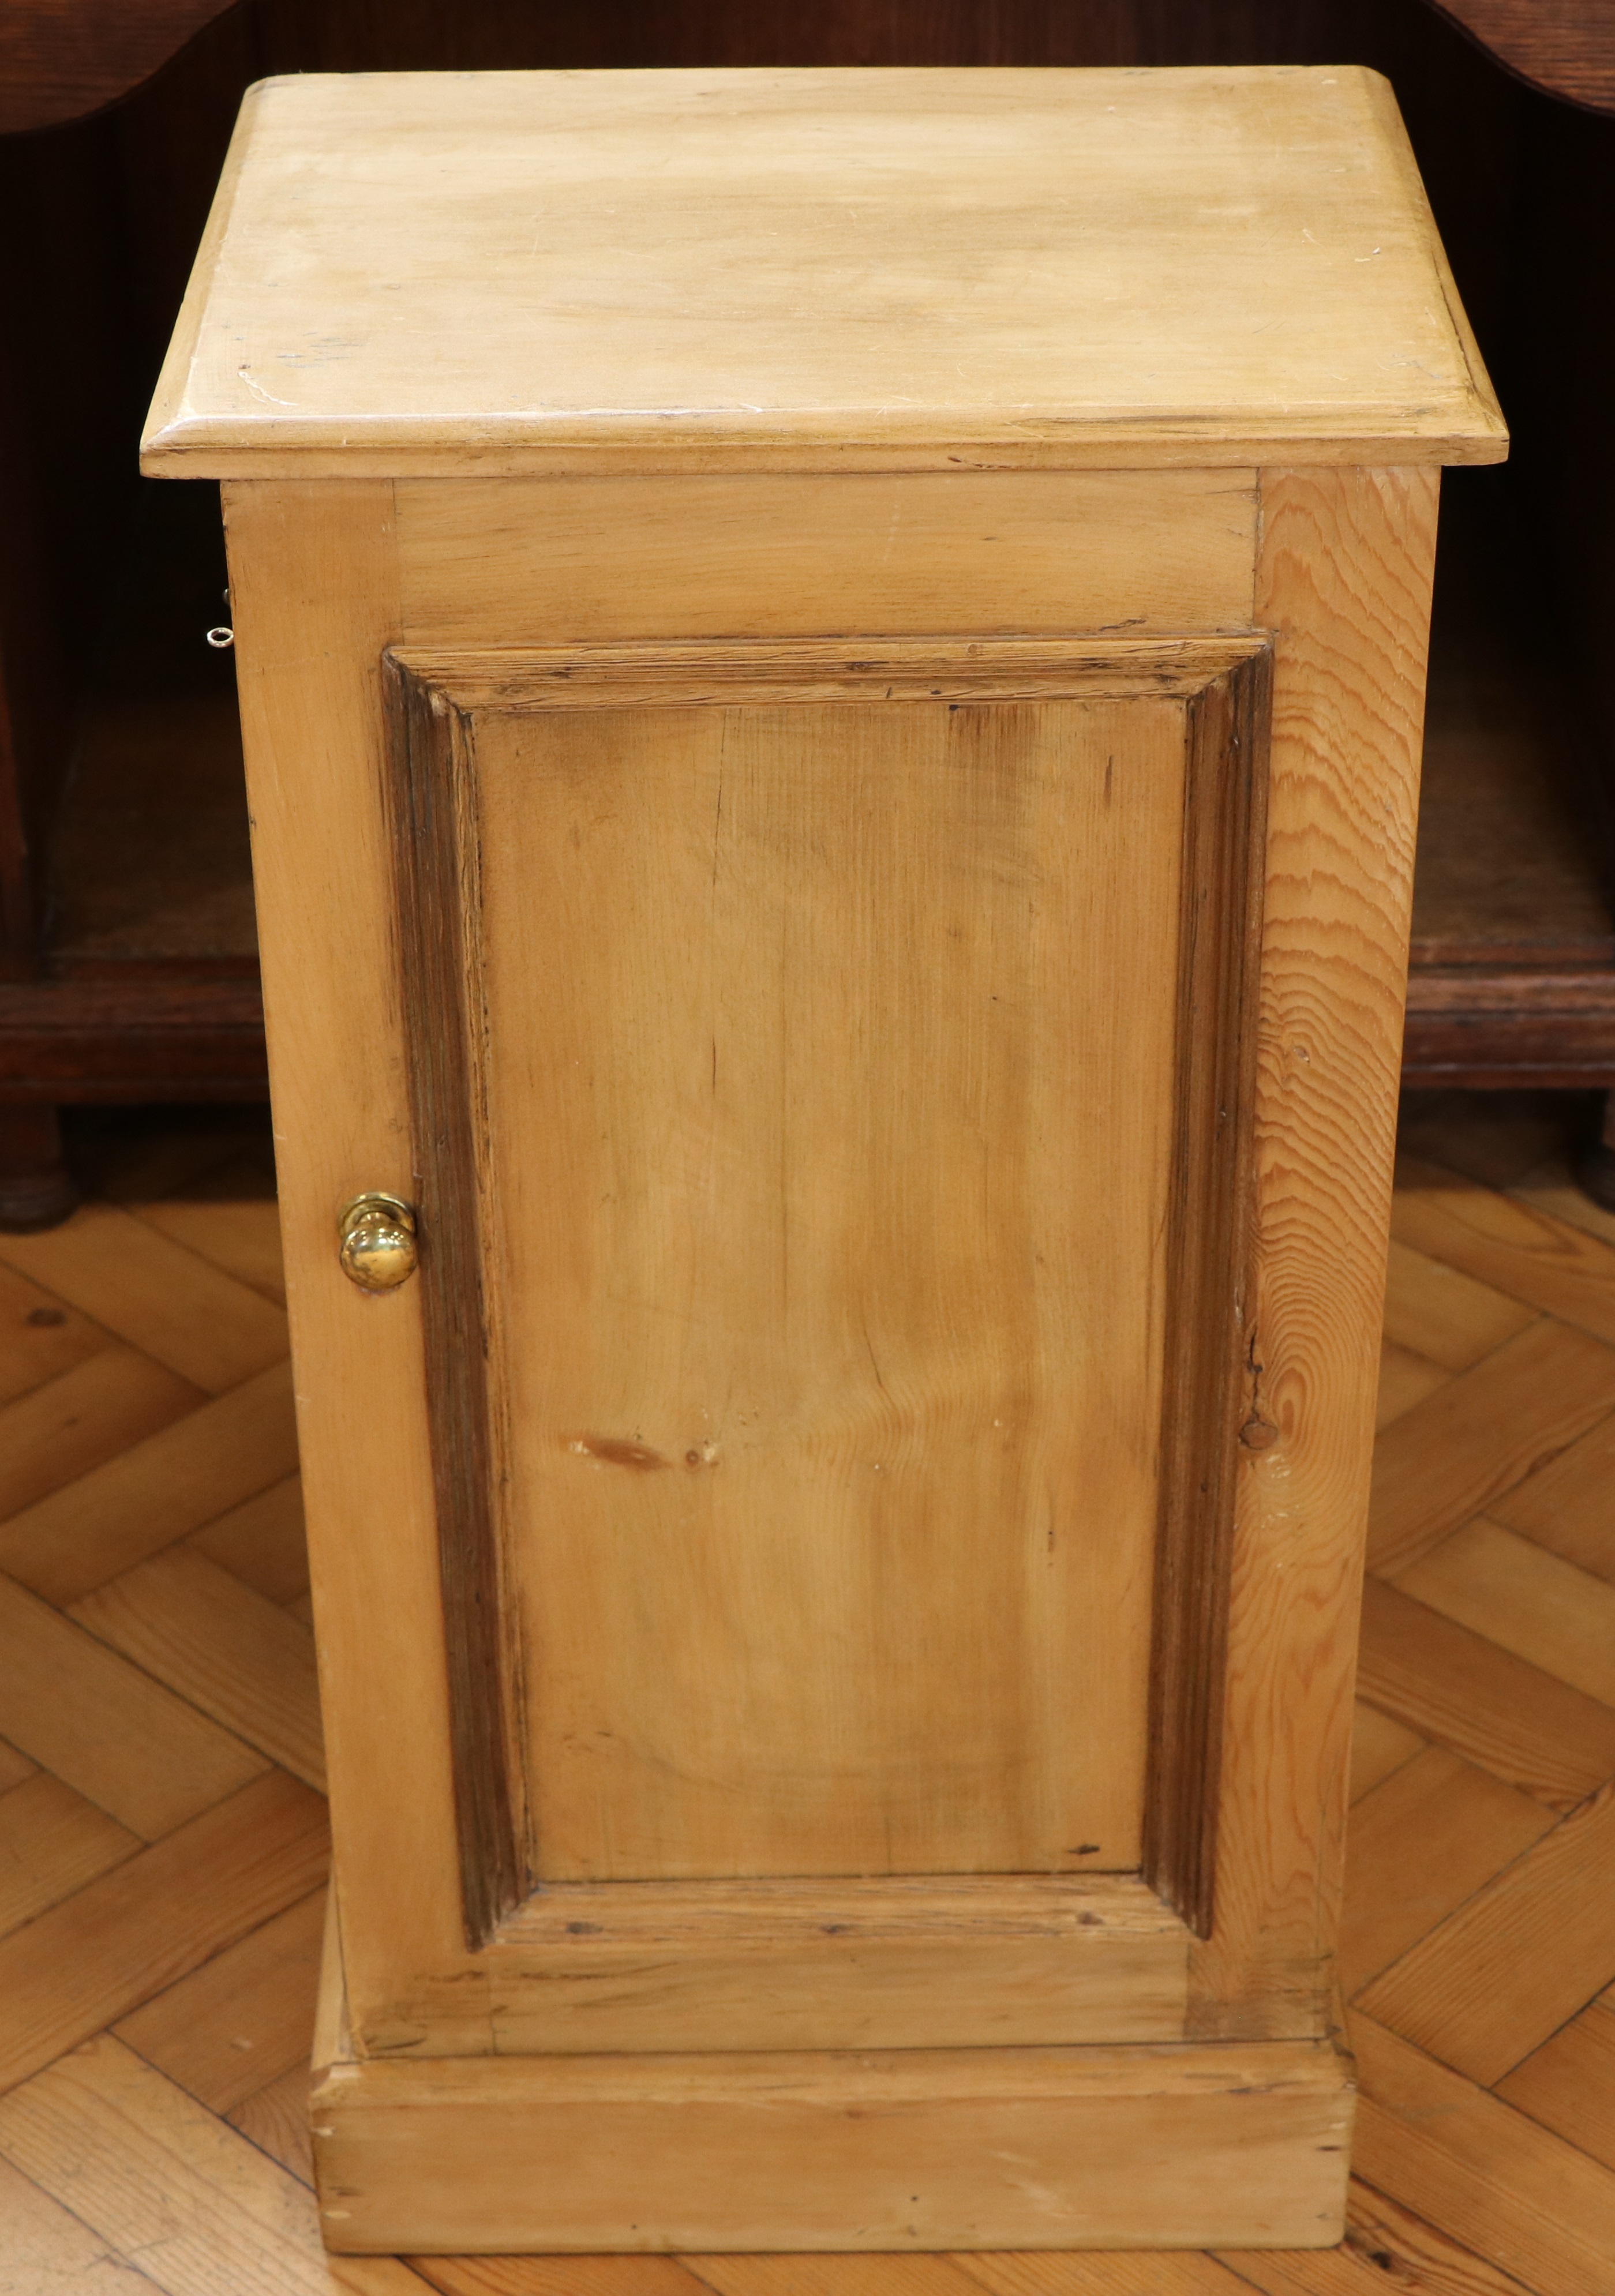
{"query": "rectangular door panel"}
{"type": "Point", "coordinates": [820, 1024]}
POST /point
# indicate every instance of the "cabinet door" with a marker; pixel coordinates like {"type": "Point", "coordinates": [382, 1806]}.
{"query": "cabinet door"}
{"type": "Point", "coordinates": [827, 1069]}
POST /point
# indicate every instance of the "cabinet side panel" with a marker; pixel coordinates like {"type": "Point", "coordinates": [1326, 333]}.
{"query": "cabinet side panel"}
{"type": "Point", "coordinates": [1343, 583]}
{"type": "Point", "coordinates": [314, 597]}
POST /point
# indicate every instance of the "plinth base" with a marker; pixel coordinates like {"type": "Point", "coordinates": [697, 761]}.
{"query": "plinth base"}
{"type": "Point", "coordinates": [1241, 2145]}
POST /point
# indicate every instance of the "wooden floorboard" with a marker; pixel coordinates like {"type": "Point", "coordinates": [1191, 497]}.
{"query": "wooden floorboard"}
{"type": "Point", "coordinates": [162, 1847]}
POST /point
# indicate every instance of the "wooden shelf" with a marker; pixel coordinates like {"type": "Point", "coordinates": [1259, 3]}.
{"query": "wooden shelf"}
{"type": "Point", "coordinates": [1512, 960]}
{"type": "Point", "coordinates": [148, 986]}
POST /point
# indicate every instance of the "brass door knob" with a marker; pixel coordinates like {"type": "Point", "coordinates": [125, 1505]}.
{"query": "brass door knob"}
{"type": "Point", "coordinates": [378, 1241]}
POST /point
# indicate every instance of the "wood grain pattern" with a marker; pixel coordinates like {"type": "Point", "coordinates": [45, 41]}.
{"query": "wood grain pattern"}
{"type": "Point", "coordinates": [1469, 2164]}
{"type": "Point", "coordinates": [275, 2119]}
{"type": "Point", "coordinates": [1482, 2172]}
{"type": "Point", "coordinates": [1383, 2243]}
{"type": "Point", "coordinates": [123, 1937]}
{"type": "Point", "coordinates": [233, 1654]}
{"type": "Point", "coordinates": [89, 1530]}
{"type": "Point", "coordinates": [1564, 1505]}
{"type": "Point", "coordinates": [1455, 1686]}
{"type": "Point", "coordinates": [1523, 1599]}
{"type": "Point", "coordinates": [437, 857]}
{"type": "Point", "coordinates": [163, 1300]}
{"type": "Point", "coordinates": [52, 1840]}
{"type": "Point", "coordinates": [524, 563]}
{"type": "Point", "coordinates": [624, 344]}
{"type": "Point", "coordinates": [448, 2149]}
{"type": "Point", "coordinates": [311, 704]}
{"type": "Point", "coordinates": [1210, 1291]}
{"type": "Point", "coordinates": [1513, 1246]}
{"type": "Point", "coordinates": [67, 1426]}
{"type": "Point", "coordinates": [40, 1336]}
{"type": "Point", "coordinates": [1452, 1827]}
{"type": "Point", "coordinates": [1346, 716]}
{"type": "Point", "coordinates": [243, 2020]}
{"type": "Point", "coordinates": [1510, 1415]}
{"type": "Point", "coordinates": [153, 2171]}
{"type": "Point", "coordinates": [1569, 2083]}
{"type": "Point", "coordinates": [1442, 1314]}
{"type": "Point", "coordinates": [933, 1960]}
{"type": "Point", "coordinates": [54, 2249]}
{"type": "Point", "coordinates": [140, 1754]}
{"type": "Point", "coordinates": [1224, 766]}
{"type": "Point", "coordinates": [1461, 1992]}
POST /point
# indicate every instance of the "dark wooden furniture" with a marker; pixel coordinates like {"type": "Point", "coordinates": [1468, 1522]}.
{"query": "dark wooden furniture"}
{"type": "Point", "coordinates": [127, 961]}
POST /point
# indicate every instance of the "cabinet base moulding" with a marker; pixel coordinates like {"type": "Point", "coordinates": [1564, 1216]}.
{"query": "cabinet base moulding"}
{"type": "Point", "coordinates": [1237, 2144]}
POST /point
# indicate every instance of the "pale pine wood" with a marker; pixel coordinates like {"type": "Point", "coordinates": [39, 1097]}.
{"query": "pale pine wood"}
{"type": "Point", "coordinates": [1512, 1246]}
{"type": "Point", "coordinates": [1525, 1953]}
{"type": "Point", "coordinates": [155, 1294]}
{"type": "Point", "coordinates": [1553, 1742]}
{"type": "Point", "coordinates": [634, 850]}
{"type": "Point", "coordinates": [1347, 702]}
{"type": "Point", "coordinates": [1379, 1747]}
{"type": "Point", "coordinates": [1421, 1844]}
{"type": "Point", "coordinates": [1525, 1600]}
{"type": "Point", "coordinates": [893, 1316]}
{"type": "Point", "coordinates": [1565, 1504]}
{"type": "Point", "coordinates": [310, 695]}
{"type": "Point", "coordinates": [262, 1541]}
{"type": "Point", "coordinates": [716, 2148]}
{"type": "Point", "coordinates": [625, 558]}
{"type": "Point", "coordinates": [1470, 2165]}
{"type": "Point", "coordinates": [87, 1531]}
{"type": "Point", "coordinates": [242, 2021]}
{"type": "Point", "coordinates": [850, 1963]}
{"type": "Point", "coordinates": [52, 1841]}
{"type": "Point", "coordinates": [69, 1425]}
{"type": "Point", "coordinates": [149, 1921]}
{"type": "Point", "coordinates": [146, 1757]}
{"type": "Point", "coordinates": [1453, 1455]}
{"type": "Point", "coordinates": [1442, 1314]}
{"type": "Point", "coordinates": [1163, 304]}
{"type": "Point", "coordinates": [1569, 2083]}
{"type": "Point", "coordinates": [226, 1648]}
{"type": "Point", "coordinates": [40, 1336]}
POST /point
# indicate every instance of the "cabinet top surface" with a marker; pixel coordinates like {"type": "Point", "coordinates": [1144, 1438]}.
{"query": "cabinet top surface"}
{"type": "Point", "coordinates": [503, 272]}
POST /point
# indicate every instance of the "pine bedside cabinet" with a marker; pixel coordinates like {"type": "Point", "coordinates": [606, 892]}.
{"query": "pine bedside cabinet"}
{"type": "Point", "coordinates": [831, 665]}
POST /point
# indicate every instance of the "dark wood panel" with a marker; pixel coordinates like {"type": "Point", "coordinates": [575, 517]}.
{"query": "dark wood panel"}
{"type": "Point", "coordinates": [132, 1039]}
{"type": "Point", "coordinates": [1566, 47]}
{"type": "Point", "coordinates": [431, 798]}
{"type": "Point", "coordinates": [60, 59]}
{"type": "Point", "coordinates": [1208, 1275]}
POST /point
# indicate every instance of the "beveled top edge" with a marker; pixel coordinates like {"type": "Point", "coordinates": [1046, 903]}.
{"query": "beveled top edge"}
{"type": "Point", "coordinates": [528, 336]}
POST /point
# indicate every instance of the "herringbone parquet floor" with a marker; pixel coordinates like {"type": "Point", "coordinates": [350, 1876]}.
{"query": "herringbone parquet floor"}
{"type": "Point", "coordinates": [162, 1842]}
